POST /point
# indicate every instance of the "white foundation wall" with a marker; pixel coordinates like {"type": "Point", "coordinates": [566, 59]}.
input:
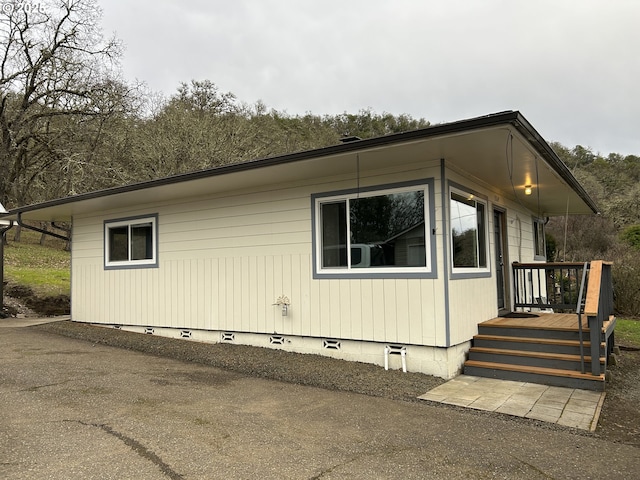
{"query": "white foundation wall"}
{"type": "Point", "coordinates": [441, 362]}
{"type": "Point", "coordinates": [225, 259]}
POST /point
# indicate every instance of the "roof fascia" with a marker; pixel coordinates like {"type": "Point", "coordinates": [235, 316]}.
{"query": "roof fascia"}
{"type": "Point", "coordinates": [508, 117]}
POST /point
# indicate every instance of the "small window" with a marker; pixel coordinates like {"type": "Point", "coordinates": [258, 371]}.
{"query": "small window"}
{"type": "Point", "coordinates": [131, 243]}
{"type": "Point", "coordinates": [375, 232]}
{"type": "Point", "coordinates": [539, 249]}
{"type": "Point", "coordinates": [468, 233]}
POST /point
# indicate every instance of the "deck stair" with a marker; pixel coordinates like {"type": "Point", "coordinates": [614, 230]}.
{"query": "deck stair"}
{"type": "Point", "coordinates": [543, 348]}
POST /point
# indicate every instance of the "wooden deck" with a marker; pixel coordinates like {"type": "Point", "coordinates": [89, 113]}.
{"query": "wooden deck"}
{"type": "Point", "coordinates": [568, 321]}
{"type": "Point", "coordinates": [551, 348]}
{"type": "Point", "coordinates": [540, 348]}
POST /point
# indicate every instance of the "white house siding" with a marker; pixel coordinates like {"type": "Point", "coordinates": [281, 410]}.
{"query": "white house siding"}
{"type": "Point", "coordinates": [226, 258]}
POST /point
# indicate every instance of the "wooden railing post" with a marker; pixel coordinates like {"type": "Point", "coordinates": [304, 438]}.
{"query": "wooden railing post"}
{"type": "Point", "coordinates": [595, 328]}
{"type": "Point", "coordinates": [598, 308]}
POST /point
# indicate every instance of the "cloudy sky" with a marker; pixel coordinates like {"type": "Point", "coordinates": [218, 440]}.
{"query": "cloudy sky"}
{"type": "Point", "coordinates": [572, 67]}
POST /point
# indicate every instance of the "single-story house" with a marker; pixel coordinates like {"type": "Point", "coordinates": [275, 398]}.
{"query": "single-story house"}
{"type": "Point", "coordinates": [400, 243]}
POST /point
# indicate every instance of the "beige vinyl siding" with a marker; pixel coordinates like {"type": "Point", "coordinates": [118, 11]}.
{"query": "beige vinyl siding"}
{"type": "Point", "coordinates": [471, 301]}
{"type": "Point", "coordinates": [225, 259]}
{"type": "Point", "coordinates": [236, 294]}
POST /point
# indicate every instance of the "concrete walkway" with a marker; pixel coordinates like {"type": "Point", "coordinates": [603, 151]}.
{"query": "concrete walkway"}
{"type": "Point", "coordinates": [565, 406]}
{"type": "Point", "coordinates": [17, 322]}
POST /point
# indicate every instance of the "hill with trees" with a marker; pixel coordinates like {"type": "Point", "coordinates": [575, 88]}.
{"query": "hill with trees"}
{"type": "Point", "coordinates": [69, 124]}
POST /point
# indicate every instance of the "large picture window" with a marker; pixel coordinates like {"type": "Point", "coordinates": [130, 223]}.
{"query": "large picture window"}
{"type": "Point", "coordinates": [379, 231]}
{"type": "Point", "coordinates": [131, 243]}
{"type": "Point", "coordinates": [468, 232]}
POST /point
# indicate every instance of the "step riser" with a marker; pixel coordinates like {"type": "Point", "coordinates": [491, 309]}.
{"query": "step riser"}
{"type": "Point", "coordinates": [533, 333]}
{"type": "Point", "coordinates": [530, 347]}
{"type": "Point", "coordinates": [552, 380]}
{"type": "Point", "coordinates": [530, 361]}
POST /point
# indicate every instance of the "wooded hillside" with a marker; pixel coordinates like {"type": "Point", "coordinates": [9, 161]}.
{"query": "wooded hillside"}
{"type": "Point", "coordinates": [69, 124]}
{"type": "Point", "coordinates": [614, 235]}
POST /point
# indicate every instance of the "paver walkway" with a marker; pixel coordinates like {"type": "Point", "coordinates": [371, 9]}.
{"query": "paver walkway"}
{"type": "Point", "coordinates": [565, 406]}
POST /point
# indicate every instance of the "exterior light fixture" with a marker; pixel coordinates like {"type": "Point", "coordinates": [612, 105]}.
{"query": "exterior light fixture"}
{"type": "Point", "coordinates": [527, 189]}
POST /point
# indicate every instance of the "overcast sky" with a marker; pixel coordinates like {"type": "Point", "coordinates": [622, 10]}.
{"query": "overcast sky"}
{"type": "Point", "coordinates": [572, 67]}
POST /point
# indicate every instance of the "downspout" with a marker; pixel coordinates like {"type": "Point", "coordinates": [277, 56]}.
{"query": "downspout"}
{"type": "Point", "coordinates": [3, 235]}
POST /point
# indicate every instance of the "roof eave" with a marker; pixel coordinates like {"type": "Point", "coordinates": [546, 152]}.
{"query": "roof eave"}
{"type": "Point", "coordinates": [513, 118]}
{"type": "Point", "coordinates": [552, 158]}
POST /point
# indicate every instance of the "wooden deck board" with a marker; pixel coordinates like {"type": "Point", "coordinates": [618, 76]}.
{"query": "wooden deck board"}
{"type": "Point", "coordinates": [542, 320]}
{"type": "Point", "coordinates": [538, 370]}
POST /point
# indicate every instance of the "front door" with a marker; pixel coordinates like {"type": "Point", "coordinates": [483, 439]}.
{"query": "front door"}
{"type": "Point", "coordinates": [499, 229]}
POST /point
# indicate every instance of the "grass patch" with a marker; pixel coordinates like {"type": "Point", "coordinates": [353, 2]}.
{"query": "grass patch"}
{"type": "Point", "coordinates": [45, 282]}
{"type": "Point", "coordinates": [628, 332]}
{"type": "Point", "coordinates": [44, 268]}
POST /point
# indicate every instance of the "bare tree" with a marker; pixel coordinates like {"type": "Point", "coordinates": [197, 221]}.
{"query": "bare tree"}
{"type": "Point", "coordinates": [58, 83]}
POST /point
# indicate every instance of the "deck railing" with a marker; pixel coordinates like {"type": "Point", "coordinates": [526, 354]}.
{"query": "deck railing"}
{"type": "Point", "coordinates": [598, 308]}
{"type": "Point", "coordinates": [583, 288]}
{"type": "Point", "coordinates": [547, 286]}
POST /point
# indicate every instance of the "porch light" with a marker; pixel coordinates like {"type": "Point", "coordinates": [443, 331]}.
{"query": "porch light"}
{"type": "Point", "coordinates": [527, 189]}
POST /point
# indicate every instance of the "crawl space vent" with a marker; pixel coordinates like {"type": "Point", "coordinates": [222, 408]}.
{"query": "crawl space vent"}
{"type": "Point", "coordinates": [148, 330]}
{"type": "Point", "coordinates": [331, 344]}
{"type": "Point", "coordinates": [276, 340]}
{"type": "Point", "coordinates": [185, 333]}
{"type": "Point", "coordinates": [227, 337]}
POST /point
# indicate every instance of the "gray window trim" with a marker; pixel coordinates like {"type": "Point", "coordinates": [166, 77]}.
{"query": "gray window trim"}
{"type": "Point", "coordinates": [481, 272]}
{"type": "Point", "coordinates": [131, 264]}
{"type": "Point", "coordinates": [362, 273]}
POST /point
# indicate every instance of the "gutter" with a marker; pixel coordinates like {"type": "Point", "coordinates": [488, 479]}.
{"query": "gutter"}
{"type": "Point", "coordinates": [5, 226]}
{"type": "Point", "coordinates": [40, 230]}
{"type": "Point", "coordinates": [509, 117]}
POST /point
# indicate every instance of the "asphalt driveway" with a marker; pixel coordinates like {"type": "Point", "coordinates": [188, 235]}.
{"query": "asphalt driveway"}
{"type": "Point", "coordinates": [72, 409]}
